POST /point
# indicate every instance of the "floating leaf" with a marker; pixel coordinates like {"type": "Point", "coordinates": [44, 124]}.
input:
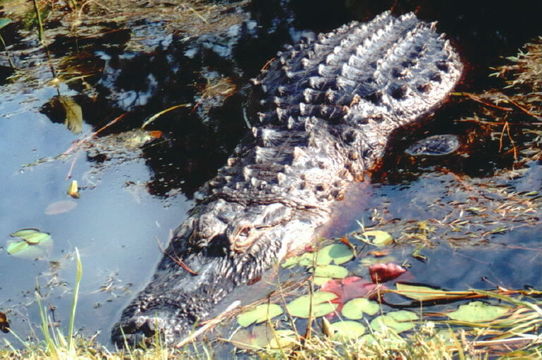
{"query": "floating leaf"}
{"type": "Point", "coordinates": [283, 339]}
{"type": "Point", "coordinates": [477, 311]}
{"type": "Point", "coordinates": [24, 233]}
{"type": "Point", "coordinates": [350, 288]}
{"type": "Point", "coordinates": [290, 262]}
{"type": "Point", "coordinates": [4, 22]}
{"type": "Point", "coordinates": [16, 247]}
{"type": "Point", "coordinates": [347, 329]}
{"type": "Point", "coordinates": [385, 272]}
{"type": "Point", "coordinates": [73, 190]}
{"type": "Point", "coordinates": [60, 207]}
{"type": "Point", "coordinates": [307, 259]}
{"type": "Point", "coordinates": [259, 314]}
{"type": "Point", "coordinates": [31, 236]}
{"type": "Point", "coordinates": [23, 249]}
{"type": "Point", "coordinates": [377, 238]}
{"type": "Point", "coordinates": [321, 305]}
{"type": "Point", "coordinates": [369, 339]}
{"type": "Point", "coordinates": [4, 324]}
{"type": "Point", "coordinates": [336, 253]}
{"type": "Point", "coordinates": [33, 244]}
{"type": "Point", "coordinates": [255, 338]}
{"type": "Point", "coordinates": [355, 308]}
{"type": "Point", "coordinates": [426, 293]}
{"type": "Point", "coordinates": [74, 114]}
{"type": "Point", "coordinates": [317, 280]}
{"type": "Point", "coordinates": [330, 271]}
{"type": "Point", "coordinates": [399, 321]}
{"type": "Point", "coordinates": [391, 342]}
{"type": "Point", "coordinates": [262, 337]}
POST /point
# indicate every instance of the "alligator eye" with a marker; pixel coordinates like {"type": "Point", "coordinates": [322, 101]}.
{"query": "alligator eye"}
{"type": "Point", "coordinates": [244, 232]}
{"type": "Point", "coordinates": [243, 240]}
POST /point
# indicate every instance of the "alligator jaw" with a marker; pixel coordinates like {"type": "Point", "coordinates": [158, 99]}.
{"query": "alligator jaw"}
{"type": "Point", "coordinates": [174, 311]}
{"type": "Point", "coordinates": [209, 274]}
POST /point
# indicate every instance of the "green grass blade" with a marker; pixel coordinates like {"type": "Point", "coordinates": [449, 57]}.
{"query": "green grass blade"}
{"type": "Point", "coordinates": [51, 346]}
{"type": "Point", "coordinates": [78, 276]}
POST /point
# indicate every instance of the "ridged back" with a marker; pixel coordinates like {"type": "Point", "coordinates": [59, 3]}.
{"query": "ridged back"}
{"type": "Point", "coordinates": [388, 69]}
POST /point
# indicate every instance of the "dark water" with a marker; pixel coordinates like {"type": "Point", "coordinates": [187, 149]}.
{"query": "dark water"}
{"type": "Point", "coordinates": [128, 206]}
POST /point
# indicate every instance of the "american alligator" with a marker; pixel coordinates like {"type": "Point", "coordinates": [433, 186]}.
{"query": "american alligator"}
{"type": "Point", "coordinates": [325, 110]}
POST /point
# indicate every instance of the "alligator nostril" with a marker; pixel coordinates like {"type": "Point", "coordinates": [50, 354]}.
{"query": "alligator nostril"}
{"type": "Point", "coordinates": [137, 331]}
{"type": "Point", "coordinates": [148, 328]}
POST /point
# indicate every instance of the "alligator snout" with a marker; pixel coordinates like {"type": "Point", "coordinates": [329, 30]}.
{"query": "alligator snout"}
{"type": "Point", "coordinates": [177, 300]}
{"type": "Point", "coordinates": [137, 330]}
{"type": "Point", "coordinates": [170, 323]}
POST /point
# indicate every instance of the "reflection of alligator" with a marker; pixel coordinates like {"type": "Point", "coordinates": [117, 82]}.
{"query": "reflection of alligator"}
{"type": "Point", "coordinates": [327, 110]}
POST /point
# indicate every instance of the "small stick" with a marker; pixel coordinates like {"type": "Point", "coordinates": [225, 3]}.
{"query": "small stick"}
{"type": "Point", "coordinates": [208, 324]}
{"type": "Point", "coordinates": [177, 260]}
{"type": "Point", "coordinates": [523, 109]}
{"type": "Point", "coordinates": [479, 100]}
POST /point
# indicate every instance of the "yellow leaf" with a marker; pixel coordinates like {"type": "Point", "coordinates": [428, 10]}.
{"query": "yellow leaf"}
{"type": "Point", "coordinates": [73, 189]}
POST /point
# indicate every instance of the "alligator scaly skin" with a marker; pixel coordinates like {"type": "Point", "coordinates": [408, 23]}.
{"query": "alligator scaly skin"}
{"type": "Point", "coordinates": [325, 111]}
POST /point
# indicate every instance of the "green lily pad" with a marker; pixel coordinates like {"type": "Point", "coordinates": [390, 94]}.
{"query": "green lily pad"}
{"type": "Point", "coordinates": [336, 253]}
{"type": "Point", "coordinates": [330, 271]}
{"type": "Point", "coordinates": [388, 342]}
{"type": "Point", "coordinates": [426, 293]}
{"type": "Point", "coordinates": [259, 314]}
{"type": "Point", "coordinates": [255, 338]}
{"type": "Point", "coordinates": [399, 321]}
{"type": "Point", "coordinates": [477, 311]}
{"type": "Point", "coordinates": [290, 262]}
{"type": "Point", "coordinates": [307, 259]}
{"type": "Point", "coordinates": [31, 236]}
{"type": "Point", "coordinates": [263, 337]}
{"type": "Point", "coordinates": [283, 339]}
{"type": "Point", "coordinates": [369, 339]}
{"type": "Point", "coordinates": [32, 244]}
{"type": "Point", "coordinates": [355, 308]}
{"type": "Point", "coordinates": [4, 22]}
{"type": "Point", "coordinates": [347, 329]}
{"type": "Point", "coordinates": [23, 249]}
{"type": "Point", "coordinates": [377, 238]}
{"type": "Point", "coordinates": [15, 247]}
{"type": "Point", "coordinates": [321, 305]}
{"type": "Point", "coordinates": [317, 280]}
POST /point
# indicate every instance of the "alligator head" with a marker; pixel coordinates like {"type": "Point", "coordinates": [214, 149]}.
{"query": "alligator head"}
{"type": "Point", "coordinates": [220, 246]}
